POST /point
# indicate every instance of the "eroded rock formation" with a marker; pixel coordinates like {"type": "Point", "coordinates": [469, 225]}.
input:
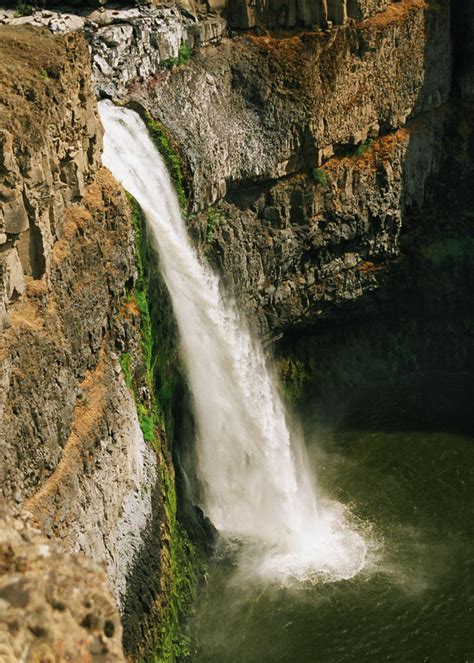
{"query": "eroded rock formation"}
{"type": "Point", "coordinates": [292, 13]}
{"type": "Point", "coordinates": [312, 246]}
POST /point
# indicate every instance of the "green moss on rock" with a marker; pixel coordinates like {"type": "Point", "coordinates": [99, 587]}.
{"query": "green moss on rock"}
{"type": "Point", "coordinates": [182, 565]}
{"type": "Point", "coordinates": [167, 149]}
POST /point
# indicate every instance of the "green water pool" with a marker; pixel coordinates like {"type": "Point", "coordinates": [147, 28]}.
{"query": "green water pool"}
{"type": "Point", "coordinates": [413, 491]}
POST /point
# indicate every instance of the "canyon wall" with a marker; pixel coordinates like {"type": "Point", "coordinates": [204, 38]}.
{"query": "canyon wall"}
{"type": "Point", "coordinates": [328, 173]}
{"type": "Point", "coordinates": [73, 452]}
{"type": "Point", "coordinates": [327, 155]}
{"type": "Point", "coordinates": [304, 152]}
{"type": "Point", "coordinates": [301, 13]}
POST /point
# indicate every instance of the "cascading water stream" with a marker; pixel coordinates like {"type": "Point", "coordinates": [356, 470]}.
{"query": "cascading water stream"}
{"type": "Point", "coordinates": [254, 484]}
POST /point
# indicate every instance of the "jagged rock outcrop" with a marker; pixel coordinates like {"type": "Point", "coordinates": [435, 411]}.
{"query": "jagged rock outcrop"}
{"type": "Point", "coordinates": [49, 146]}
{"type": "Point", "coordinates": [239, 14]}
{"type": "Point", "coordinates": [136, 44]}
{"type": "Point", "coordinates": [272, 126]}
{"type": "Point", "coordinates": [309, 142]}
{"type": "Point", "coordinates": [53, 606]}
{"type": "Point", "coordinates": [131, 45]}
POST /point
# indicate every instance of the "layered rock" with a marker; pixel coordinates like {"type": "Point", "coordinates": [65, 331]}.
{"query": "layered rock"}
{"type": "Point", "coordinates": [314, 148]}
{"type": "Point", "coordinates": [49, 146]}
{"type": "Point", "coordinates": [134, 45]}
{"type": "Point", "coordinates": [239, 14]}
{"type": "Point", "coordinates": [261, 108]}
{"type": "Point", "coordinates": [72, 449]}
{"type": "Point", "coordinates": [294, 250]}
{"type": "Point", "coordinates": [306, 146]}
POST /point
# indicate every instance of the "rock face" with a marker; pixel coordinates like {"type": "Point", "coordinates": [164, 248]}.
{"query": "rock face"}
{"type": "Point", "coordinates": [312, 134]}
{"type": "Point", "coordinates": [73, 453]}
{"type": "Point", "coordinates": [132, 45]}
{"type": "Point", "coordinates": [49, 146]}
{"type": "Point", "coordinates": [295, 250]}
{"type": "Point", "coordinates": [136, 44]}
{"type": "Point", "coordinates": [309, 147]}
{"type": "Point", "coordinates": [292, 13]}
{"type": "Point", "coordinates": [261, 108]}
{"type": "Point", "coordinates": [53, 606]}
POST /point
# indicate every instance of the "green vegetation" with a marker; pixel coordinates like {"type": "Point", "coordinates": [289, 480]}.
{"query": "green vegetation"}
{"type": "Point", "coordinates": [181, 563]}
{"type": "Point", "coordinates": [293, 377]}
{"type": "Point", "coordinates": [171, 158]}
{"type": "Point", "coordinates": [319, 176]}
{"type": "Point", "coordinates": [147, 423]}
{"type": "Point", "coordinates": [184, 54]}
{"type": "Point", "coordinates": [185, 567]}
{"type": "Point", "coordinates": [215, 218]}
{"type": "Point", "coordinates": [125, 364]}
{"type": "Point", "coordinates": [23, 9]}
{"type": "Point", "coordinates": [355, 150]}
{"type": "Point", "coordinates": [364, 147]}
{"type": "Point", "coordinates": [453, 249]}
{"type": "Point", "coordinates": [164, 146]}
{"type": "Point", "coordinates": [149, 414]}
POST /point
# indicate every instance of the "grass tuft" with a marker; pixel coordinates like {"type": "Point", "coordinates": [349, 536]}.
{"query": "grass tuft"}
{"type": "Point", "coordinates": [364, 147]}
{"type": "Point", "coordinates": [319, 176]}
{"type": "Point", "coordinates": [184, 54]}
{"type": "Point", "coordinates": [215, 219]}
{"type": "Point", "coordinates": [23, 9]}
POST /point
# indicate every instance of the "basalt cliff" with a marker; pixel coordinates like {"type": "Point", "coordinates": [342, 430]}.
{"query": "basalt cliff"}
{"type": "Point", "coordinates": [324, 152]}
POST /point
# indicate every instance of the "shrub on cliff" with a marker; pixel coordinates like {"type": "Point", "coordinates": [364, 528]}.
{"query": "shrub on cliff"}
{"type": "Point", "coordinates": [319, 176]}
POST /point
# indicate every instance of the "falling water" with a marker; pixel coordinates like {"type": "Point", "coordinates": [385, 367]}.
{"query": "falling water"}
{"type": "Point", "coordinates": [254, 483]}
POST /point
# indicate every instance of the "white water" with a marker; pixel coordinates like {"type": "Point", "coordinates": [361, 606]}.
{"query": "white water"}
{"type": "Point", "coordinates": [254, 483]}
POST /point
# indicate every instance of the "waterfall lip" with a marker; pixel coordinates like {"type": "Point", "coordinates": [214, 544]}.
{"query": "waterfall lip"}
{"type": "Point", "coordinates": [253, 476]}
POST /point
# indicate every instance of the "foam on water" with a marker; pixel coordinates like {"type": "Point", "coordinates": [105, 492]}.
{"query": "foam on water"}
{"type": "Point", "coordinates": [254, 482]}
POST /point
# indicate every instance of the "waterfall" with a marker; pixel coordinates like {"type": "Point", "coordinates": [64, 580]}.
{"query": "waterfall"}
{"type": "Point", "coordinates": [254, 483]}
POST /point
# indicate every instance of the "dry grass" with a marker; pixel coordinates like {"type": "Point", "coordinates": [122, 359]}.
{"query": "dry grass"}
{"type": "Point", "coordinates": [381, 150]}
{"type": "Point", "coordinates": [79, 217]}
{"type": "Point", "coordinates": [87, 415]}
{"type": "Point", "coordinates": [35, 71]}
{"type": "Point", "coordinates": [396, 12]}
{"type": "Point", "coordinates": [129, 310]}
{"type": "Point", "coordinates": [26, 315]}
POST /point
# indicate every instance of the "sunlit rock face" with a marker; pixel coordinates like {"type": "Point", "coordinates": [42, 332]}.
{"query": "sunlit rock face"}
{"type": "Point", "coordinates": [133, 45]}
{"type": "Point", "coordinates": [307, 143]}
{"type": "Point", "coordinates": [49, 147]}
{"type": "Point", "coordinates": [261, 108]}
{"type": "Point", "coordinates": [53, 606]}
{"type": "Point", "coordinates": [312, 136]}
{"type": "Point", "coordinates": [73, 453]}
